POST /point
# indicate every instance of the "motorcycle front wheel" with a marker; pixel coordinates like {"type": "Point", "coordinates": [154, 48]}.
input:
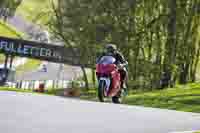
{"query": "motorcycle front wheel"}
{"type": "Point", "coordinates": [116, 99]}
{"type": "Point", "coordinates": [101, 89]}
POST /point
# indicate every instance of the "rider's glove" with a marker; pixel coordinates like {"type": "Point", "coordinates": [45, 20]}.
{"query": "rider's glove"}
{"type": "Point", "coordinates": [120, 66]}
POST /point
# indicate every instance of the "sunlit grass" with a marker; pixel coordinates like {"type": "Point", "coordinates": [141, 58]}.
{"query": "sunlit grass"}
{"type": "Point", "coordinates": [182, 98]}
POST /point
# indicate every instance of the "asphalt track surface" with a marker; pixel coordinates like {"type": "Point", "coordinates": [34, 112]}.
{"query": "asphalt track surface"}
{"type": "Point", "coordinates": [33, 113]}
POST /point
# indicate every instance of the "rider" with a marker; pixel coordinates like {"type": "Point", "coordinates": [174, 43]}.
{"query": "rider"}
{"type": "Point", "coordinates": [111, 50]}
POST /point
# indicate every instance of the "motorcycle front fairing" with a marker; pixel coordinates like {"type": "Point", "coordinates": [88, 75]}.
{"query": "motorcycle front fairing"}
{"type": "Point", "coordinates": [106, 71]}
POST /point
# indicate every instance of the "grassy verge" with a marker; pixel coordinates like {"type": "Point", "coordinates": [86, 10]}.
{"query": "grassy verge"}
{"type": "Point", "coordinates": [89, 95]}
{"type": "Point", "coordinates": [54, 92]}
{"type": "Point", "coordinates": [181, 98]}
{"type": "Point", "coordinates": [14, 89]}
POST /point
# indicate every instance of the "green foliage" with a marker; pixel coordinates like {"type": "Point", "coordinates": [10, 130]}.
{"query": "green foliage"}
{"type": "Point", "coordinates": [29, 10]}
{"type": "Point", "coordinates": [9, 31]}
{"type": "Point", "coordinates": [8, 8]}
{"type": "Point", "coordinates": [156, 37]}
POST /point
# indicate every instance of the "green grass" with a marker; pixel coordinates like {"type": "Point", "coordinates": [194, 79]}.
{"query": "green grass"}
{"type": "Point", "coordinates": [181, 98]}
{"type": "Point", "coordinates": [31, 64]}
{"type": "Point", "coordinates": [16, 90]}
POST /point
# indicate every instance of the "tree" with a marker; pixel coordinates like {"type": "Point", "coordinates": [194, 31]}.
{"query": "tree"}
{"type": "Point", "coordinates": [158, 38]}
{"type": "Point", "coordinates": [8, 8]}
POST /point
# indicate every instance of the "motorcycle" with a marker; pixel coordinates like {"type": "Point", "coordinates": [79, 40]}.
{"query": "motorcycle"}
{"type": "Point", "coordinates": [109, 82]}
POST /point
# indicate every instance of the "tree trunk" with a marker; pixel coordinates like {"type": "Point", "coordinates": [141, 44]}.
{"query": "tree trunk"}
{"type": "Point", "coordinates": [169, 59]}
{"type": "Point", "coordinates": [85, 77]}
{"type": "Point", "coordinates": [194, 70]}
{"type": "Point", "coordinates": [184, 74]}
{"type": "Point", "coordinates": [94, 77]}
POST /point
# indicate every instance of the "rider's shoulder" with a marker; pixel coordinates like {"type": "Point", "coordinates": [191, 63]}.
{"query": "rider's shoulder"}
{"type": "Point", "coordinates": [118, 53]}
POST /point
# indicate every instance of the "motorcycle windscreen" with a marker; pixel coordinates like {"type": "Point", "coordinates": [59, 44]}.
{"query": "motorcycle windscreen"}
{"type": "Point", "coordinates": [106, 64]}
{"type": "Point", "coordinates": [107, 60]}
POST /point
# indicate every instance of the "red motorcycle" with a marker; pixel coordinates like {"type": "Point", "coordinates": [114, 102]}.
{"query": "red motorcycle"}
{"type": "Point", "coordinates": [108, 79]}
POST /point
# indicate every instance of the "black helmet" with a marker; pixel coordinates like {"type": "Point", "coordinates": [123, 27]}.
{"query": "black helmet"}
{"type": "Point", "coordinates": [111, 47]}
